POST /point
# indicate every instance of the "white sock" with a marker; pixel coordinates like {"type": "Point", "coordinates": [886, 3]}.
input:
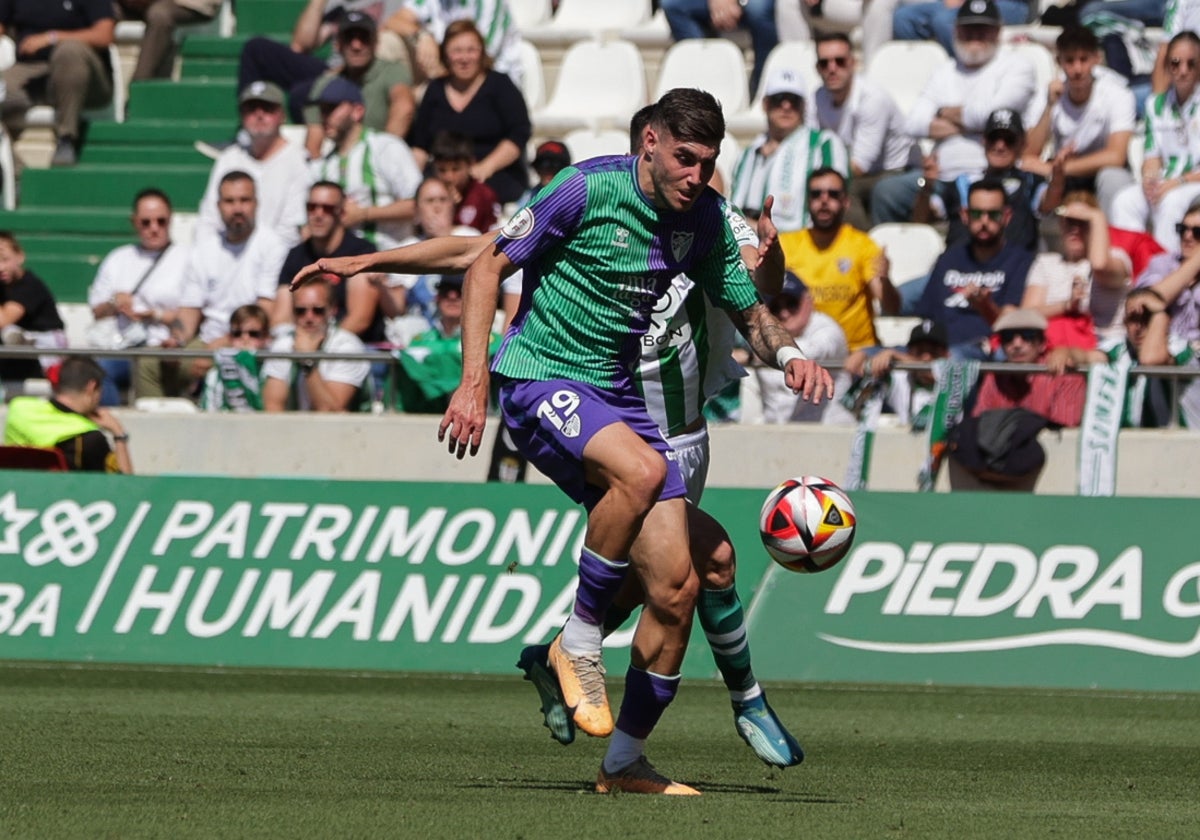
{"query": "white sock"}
{"type": "Point", "coordinates": [747, 694]}
{"type": "Point", "coordinates": [623, 750]}
{"type": "Point", "coordinates": [579, 637]}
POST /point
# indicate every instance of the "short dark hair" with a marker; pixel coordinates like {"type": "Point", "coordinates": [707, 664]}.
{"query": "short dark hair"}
{"type": "Point", "coordinates": [236, 175]}
{"type": "Point", "coordinates": [822, 171]}
{"type": "Point", "coordinates": [76, 372]}
{"type": "Point", "coordinates": [151, 192]}
{"type": "Point", "coordinates": [327, 185]}
{"type": "Point", "coordinates": [690, 116]}
{"type": "Point", "coordinates": [637, 124]}
{"type": "Point", "coordinates": [1184, 35]}
{"type": "Point", "coordinates": [1145, 291]}
{"type": "Point", "coordinates": [250, 310]}
{"type": "Point", "coordinates": [1077, 38]}
{"type": "Point", "coordinates": [825, 37]}
{"type": "Point", "coordinates": [988, 185]}
{"type": "Point", "coordinates": [451, 146]}
{"type": "Point", "coordinates": [11, 238]}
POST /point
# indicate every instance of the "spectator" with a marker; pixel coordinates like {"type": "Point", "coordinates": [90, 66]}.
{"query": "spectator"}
{"type": "Point", "coordinates": [478, 102]}
{"type": "Point", "coordinates": [135, 296]}
{"type": "Point", "coordinates": [1089, 117]}
{"type": "Point", "coordinates": [234, 382]}
{"type": "Point", "coordinates": [330, 385]}
{"type": "Point", "coordinates": [864, 117]}
{"type": "Point", "coordinates": [62, 61]}
{"type": "Point", "coordinates": [975, 281]}
{"type": "Point", "coordinates": [279, 168]}
{"type": "Point", "coordinates": [376, 171]}
{"type": "Point", "coordinates": [779, 162]}
{"type": "Point", "coordinates": [1174, 276]}
{"type": "Point", "coordinates": [386, 85]}
{"type": "Point", "coordinates": [1179, 16]}
{"type": "Point", "coordinates": [549, 159]}
{"type": "Point", "coordinates": [1170, 179]}
{"type": "Point", "coordinates": [711, 18]}
{"type": "Point", "coordinates": [940, 21]}
{"type": "Point", "coordinates": [156, 53]}
{"type": "Point", "coordinates": [816, 334]}
{"type": "Point", "coordinates": [72, 421]}
{"type": "Point", "coordinates": [998, 444]}
{"type": "Point", "coordinates": [239, 266]}
{"type": "Point", "coordinates": [319, 21]}
{"type": "Point", "coordinates": [956, 103]}
{"type": "Point", "coordinates": [1030, 197]}
{"type": "Point", "coordinates": [1149, 402]}
{"type": "Point", "coordinates": [1079, 290]}
{"type": "Point", "coordinates": [845, 272]}
{"type": "Point", "coordinates": [909, 395]}
{"type": "Point", "coordinates": [356, 299]}
{"type": "Point", "coordinates": [424, 26]}
{"type": "Point", "coordinates": [430, 368]}
{"type": "Point", "coordinates": [475, 203]}
{"type": "Point", "coordinates": [28, 312]}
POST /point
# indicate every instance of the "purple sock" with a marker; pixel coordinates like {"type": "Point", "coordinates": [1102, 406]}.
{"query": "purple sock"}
{"type": "Point", "coordinates": [599, 581]}
{"type": "Point", "coordinates": [646, 697]}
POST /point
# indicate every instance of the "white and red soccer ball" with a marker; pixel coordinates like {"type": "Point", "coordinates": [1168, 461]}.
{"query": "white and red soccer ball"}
{"type": "Point", "coordinates": [807, 524]}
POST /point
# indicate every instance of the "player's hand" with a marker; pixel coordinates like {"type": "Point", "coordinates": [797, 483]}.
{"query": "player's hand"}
{"type": "Point", "coordinates": [343, 267]}
{"type": "Point", "coordinates": [464, 421]}
{"type": "Point", "coordinates": [768, 234]}
{"type": "Point", "coordinates": [809, 380]}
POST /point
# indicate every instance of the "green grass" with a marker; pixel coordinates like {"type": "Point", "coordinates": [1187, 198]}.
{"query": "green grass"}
{"type": "Point", "coordinates": [99, 752]}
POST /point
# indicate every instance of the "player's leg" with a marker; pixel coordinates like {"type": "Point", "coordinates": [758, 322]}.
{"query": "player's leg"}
{"type": "Point", "coordinates": [661, 557]}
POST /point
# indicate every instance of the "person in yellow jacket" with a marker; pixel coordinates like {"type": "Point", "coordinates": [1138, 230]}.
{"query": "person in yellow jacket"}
{"type": "Point", "coordinates": [72, 421]}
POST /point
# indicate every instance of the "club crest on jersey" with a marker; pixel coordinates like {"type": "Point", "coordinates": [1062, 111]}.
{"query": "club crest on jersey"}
{"type": "Point", "coordinates": [681, 243]}
{"type": "Point", "coordinates": [621, 238]}
{"type": "Point", "coordinates": [843, 265]}
{"type": "Point", "coordinates": [519, 226]}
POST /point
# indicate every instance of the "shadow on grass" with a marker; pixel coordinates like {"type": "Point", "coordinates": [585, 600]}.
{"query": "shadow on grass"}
{"type": "Point", "coordinates": [776, 794]}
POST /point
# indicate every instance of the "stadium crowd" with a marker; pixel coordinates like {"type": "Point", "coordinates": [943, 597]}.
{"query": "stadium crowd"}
{"type": "Point", "coordinates": [1049, 205]}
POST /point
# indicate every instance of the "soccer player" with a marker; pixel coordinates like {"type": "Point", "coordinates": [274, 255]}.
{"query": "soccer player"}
{"type": "Point", "coordinates": [756, 722]}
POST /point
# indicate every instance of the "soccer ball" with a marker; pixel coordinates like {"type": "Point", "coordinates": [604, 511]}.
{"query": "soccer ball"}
{"type": "Point", "coordinates": [807, 524]}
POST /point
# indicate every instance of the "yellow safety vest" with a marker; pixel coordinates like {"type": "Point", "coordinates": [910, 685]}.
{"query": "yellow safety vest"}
{"type": "Point", "coordinates": [33, 421]}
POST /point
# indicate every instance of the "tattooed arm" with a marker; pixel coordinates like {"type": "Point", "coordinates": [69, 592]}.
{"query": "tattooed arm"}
{"type": "Point", "coordinates": [775, 346]}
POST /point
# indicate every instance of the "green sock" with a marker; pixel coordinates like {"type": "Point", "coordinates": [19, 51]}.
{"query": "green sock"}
{"type": "Point", "coordinates": [724, 623]}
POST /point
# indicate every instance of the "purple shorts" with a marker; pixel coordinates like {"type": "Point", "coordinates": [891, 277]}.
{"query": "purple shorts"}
{"type": "Point", "coordinates": [551, 422]}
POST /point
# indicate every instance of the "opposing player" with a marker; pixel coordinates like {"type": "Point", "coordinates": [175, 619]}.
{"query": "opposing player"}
{"type": "Point", "coordinates": [681, 393]}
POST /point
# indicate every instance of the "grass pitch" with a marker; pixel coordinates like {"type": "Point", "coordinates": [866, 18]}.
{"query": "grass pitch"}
{"type": "Point", "coordinates": [101, 752]}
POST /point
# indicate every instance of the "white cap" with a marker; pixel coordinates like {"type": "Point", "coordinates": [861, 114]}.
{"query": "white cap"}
{"type": "Point", "coordinates": [786, 80]}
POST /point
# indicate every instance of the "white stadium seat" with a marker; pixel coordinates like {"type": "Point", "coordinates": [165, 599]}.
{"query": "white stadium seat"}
{"type": "Point", "coordinates": [533, 78]}
{"type": "Point", "coordinates": [912, 248]}
{"type": "Point", "coordinates": [712, 64]}
{"type": "Point", "coordinates": [530, 13]}
{"type": "Point", "coordinates": [577, 20]}
{"type": "Point", "coordinates": [600, 85]}
{"type": "Point", "coordinates": [587, 143]}
{"type": "Point", "coordinates": [903, 67]}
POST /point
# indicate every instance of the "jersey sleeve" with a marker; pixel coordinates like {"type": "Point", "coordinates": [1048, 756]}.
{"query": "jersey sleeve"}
{"type": "Point", "coordinates": [549, 218]}
{"type": "Point", "coordinates": [722, 274]}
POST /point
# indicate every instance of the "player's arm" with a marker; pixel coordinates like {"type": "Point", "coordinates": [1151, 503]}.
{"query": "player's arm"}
{"type": "Point", "coordinates": [775, 346]}
{"type": "Point", "coordinates": [768, 266]}
{"type": "Point", "coordinates": [440, 255]}
{"type": "Point", "coordinates": [467, 413]}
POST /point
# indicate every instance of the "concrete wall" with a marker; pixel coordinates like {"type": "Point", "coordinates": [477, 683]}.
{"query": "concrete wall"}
{"type": "Point", "coordinates": [399, 447]}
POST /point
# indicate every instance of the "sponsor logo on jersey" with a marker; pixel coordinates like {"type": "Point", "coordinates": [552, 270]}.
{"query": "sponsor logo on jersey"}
{"type": "Point", "coordinates": [519, 226]}
{"type": "Point", "coordinates": [681, 243]}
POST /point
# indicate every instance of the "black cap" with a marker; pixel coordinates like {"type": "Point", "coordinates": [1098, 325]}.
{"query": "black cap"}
{"type": "Point", "coordinates": [551, 155]}
{"type": "Point", "coordinates": [1006, 120]}
{"type": "Point", "coordinates": [979, 12]}
{"type": "Point", "coordinates": [357, 21]}
{"type": "Point", "coordinates": [929, 331]}
{"type": "Point", "coordinates": [450, 281]}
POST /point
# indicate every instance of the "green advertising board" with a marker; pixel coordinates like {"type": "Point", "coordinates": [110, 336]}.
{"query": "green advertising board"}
{"type": "Point", "coordinates": [965, 589]}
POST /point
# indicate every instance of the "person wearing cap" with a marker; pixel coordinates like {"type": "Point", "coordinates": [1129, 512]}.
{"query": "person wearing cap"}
{"type": "Point", "coordinates": [62, 60]}
{"type": "Point", "coordinates": [325, 385]}
{"type": "Point", "coordinates": [845, 271]}
{"type": "Point", "coordinates": [1089, 117]}
{"type": "Point", "coordinates": [549, 159]}
{"type": "Point", "coordinates": [974, 282]}
{"type": "Point", "coordinates": [953, 108]}
{"type": "Point", "coordinates": [939, 21]}
{"type": "Point", "coordinates": [318, 23]}
{"type": "Point", "coordinates": [279, 168]}
{"type": "Point", "coordinates": [1170, 174]}
{"type": "Point", "coordinates": [1030, 196]}
{"type": "Point", "coordinates": [910, 395]}
{"type": "Point", "coordinates": [864, 116]}
{"type": "Point", "coordinates": [712, 18]}
{"type": "Point", "coordinates": [156, 52]}
{"type": "Point", "coordinates": [780, 161]}
{"type": "Point", "coordinates": [376, 170]}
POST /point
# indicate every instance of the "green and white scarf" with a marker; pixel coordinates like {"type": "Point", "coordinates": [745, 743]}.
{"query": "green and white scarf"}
{"type": "Point", "coordinates": [954, 383]}
{"type": "Point", "coordinates": [1102, 413]}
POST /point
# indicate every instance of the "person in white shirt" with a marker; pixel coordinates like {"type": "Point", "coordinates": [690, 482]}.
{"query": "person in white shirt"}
{"type": "Point", "coordinates": [238, 266]}
{"type": "Point", "coordinates": [866, 119]}
{"type": "Point", "coordinates": [328, 385]}
{"type": "Point", "coordinates": [1089, 118]}
{"type": "Point", "coordinates": [279, 168]}
{"type": "Point", "coordinates": [376, 170]}
{"type": "Point", "coordinates": [138, 286]}
{"type": "Point", "coordinates": [955, 105]}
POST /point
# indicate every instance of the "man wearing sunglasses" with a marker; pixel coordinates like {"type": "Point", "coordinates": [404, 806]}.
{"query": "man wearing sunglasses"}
{"type": "Point", "coordinates": [330, 385]}
{"type": "Point", "coordinates": [975, 281]}
{"type": "Point", "coordinates": [866, 119]}
{"type": "Point", "coordinates": [780, 162]}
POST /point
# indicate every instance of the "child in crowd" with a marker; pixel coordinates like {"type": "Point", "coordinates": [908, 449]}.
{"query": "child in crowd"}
{"type": "Point", "coordinates": [475, 203]}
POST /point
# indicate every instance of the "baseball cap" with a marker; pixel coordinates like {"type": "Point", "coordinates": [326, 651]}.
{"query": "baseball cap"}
{"type": "Point", "coordinates": [1006, 120]}
{"type": "Point", "coordinates": [929, 332]}
{"type": "Point", "coordinates": [551, 155]}
{"type": "Point", "coordinates": [792, 286]}
{"type": "Point", "coordinates": [359, 21]}
{"type": "Point", "coordinates": [1020, 319]}
{"type": "Point", "coordinates": [982, 12]}
{"type": "Point", "coordinates": [261, 92]}
{"type": "Point", "coordinates": [335, 91]}
{"type": "Point", "coordinates": [786, 80]}
{"type": "Point", "coordinates": [450, 281]}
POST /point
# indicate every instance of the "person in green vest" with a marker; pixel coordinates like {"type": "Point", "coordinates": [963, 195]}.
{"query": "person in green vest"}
{"type": "Point", "coordinates": [72, 421]}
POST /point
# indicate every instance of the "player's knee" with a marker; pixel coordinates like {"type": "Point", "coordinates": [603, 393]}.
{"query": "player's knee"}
{"type": "Point", "coordinates": [643, 480]}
